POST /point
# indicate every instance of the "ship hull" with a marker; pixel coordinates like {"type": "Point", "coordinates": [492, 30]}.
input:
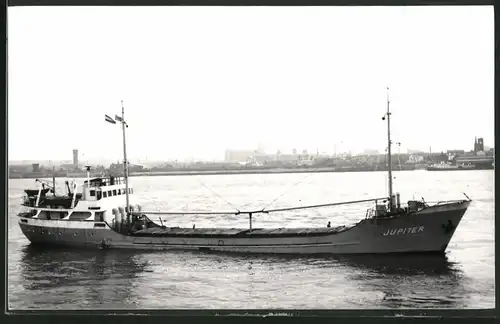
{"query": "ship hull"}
{"type": "Point", "coordinates": [429, 230]}
{"type": "Point", "coordinates": [446, 169]}
{"type": "Point", "coordinates": [474, 168]}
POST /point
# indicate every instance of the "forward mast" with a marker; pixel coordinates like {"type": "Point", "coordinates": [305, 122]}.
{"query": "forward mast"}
{"type": "Point", "coordinates": [389, 153]}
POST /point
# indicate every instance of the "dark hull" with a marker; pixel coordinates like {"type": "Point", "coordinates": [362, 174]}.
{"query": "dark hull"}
{"type": "Point", "coordinates": [427, 231]}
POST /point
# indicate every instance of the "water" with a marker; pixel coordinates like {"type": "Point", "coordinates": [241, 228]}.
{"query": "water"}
{"type": "Point", "coordinates": [76, 279]}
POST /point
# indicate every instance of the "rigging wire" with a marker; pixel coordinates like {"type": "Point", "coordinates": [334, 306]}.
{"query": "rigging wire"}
{"type": "Point", "coordinates": [212, 191]}
{"type": "Point", "coordinates": [268, 211]}
{"type": "Point", "coordinates": [324, 205]}
{"type": "Point", "coordinates": [310, 173]}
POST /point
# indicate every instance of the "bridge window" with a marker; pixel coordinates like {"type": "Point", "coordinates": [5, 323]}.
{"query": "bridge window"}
{"type": "Point", "coordinates": [114, 192]}
{"type": "Point", "coordinates": [92, 193]}
{"type": "Point", "coordinates": [79, 216]}
{"type": "Point", "coordinates": [53, 215]}
{"type": "Point", "coordinates": [57, 215]}
{"type": "Point", "coordinates": [104, 194]}
{"type": "Point", "coordinates": [44, 215]}
{"type": "Point", "coordinates": [99, 216]}
{"type": "Point", "coordinates": [99, 194]}
{"type": "Point", "coordinates": [109, 193]}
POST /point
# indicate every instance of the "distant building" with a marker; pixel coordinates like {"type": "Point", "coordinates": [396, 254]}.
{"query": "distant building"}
{"type": "Point", "coordinates": [234, 156]}
{"type": "Point", "coordinates": [117, 168]}
{"type": "Point", "coordinates": [452, 154]}
{"type": "Point", "coordinates": [75, 158]}
{"type": "Point", "coordinates": [36, 167]}
{"type": "Point", "coordinates": [370, 152]}
{"type": "Point", "coordinates": [475, 160]}
{"type": "Point", "coordinates": [455, 152]}
{"type": "Point", "coordinates": [415, 159]}
{"type": "Point", "coordinates": [306, 159]}
{"type": "Point", "coordinates": [20, 168]}
{"type": "Point", "coordinates": [287, 158]}
{"type": "Point", "coordinates": [478, 144]}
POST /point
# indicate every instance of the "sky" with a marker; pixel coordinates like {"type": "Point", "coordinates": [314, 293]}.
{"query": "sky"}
{"type": "Point", "coordinates": [196, 81]}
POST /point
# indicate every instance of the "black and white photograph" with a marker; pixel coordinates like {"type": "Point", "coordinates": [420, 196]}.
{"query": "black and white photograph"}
{"type": "Point", "coordinates": [259, 157]}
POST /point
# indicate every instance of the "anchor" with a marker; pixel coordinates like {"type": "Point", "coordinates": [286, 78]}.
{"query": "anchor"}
{"type": "Point", "coordinates": [448, 227]}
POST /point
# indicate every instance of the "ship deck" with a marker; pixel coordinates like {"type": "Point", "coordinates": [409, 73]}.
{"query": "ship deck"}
{"type": "Point", "coordinates": [238, 232]}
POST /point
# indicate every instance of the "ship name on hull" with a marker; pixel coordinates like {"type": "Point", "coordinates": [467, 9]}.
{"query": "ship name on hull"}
{"type": "Point", "coordinates": [403, 231]}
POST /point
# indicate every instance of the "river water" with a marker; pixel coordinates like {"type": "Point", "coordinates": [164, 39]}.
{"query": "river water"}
{"type": "Point", "coordinates": [83, 279]}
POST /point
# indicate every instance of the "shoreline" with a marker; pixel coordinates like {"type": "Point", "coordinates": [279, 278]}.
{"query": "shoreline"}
{"type": "Point", "coordinates": [236, 172]}
{"type": "Point", "coordinates": [227, 172]}
{"type": "Point", "coordinates": [214, 172]}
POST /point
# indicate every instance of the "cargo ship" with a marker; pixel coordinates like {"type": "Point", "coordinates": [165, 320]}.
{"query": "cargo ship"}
{"type": "Point", "coordinates": [104, 215]}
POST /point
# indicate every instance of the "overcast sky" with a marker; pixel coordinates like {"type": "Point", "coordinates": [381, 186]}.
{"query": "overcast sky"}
{"type": "Point", "coordinates": [198, 80]}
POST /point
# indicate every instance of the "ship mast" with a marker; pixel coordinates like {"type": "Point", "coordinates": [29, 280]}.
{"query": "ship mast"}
{"type": "Point", "coordinates": [389, 155]}
{"type": "Point", "coordinates": [125, 164]}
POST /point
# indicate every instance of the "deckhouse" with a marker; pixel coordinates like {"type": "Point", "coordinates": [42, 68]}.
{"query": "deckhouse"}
{"type": "Point", "coordinates": [100, 199]}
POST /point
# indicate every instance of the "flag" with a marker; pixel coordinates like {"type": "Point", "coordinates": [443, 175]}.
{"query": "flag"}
{"type": "Point", "coordinates": [109, 119]}
{"type": "Point", "coordinates": [118, 118]}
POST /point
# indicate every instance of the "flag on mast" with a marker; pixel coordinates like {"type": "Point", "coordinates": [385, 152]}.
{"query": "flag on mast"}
{"type": "Point", "coordinates": [118, 118]}
{"type": "Point", "coordinates": [109, 119]}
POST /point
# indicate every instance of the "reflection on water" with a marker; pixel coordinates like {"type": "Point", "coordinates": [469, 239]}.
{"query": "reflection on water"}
{"type": "Point", "coordinates": [429, 281]}
{"type": "Point", "coordinates": [407, 265]}
{"type": "Point", "coordinates": [100, 277]}
{"type": "Point", "coordinates": [117, 279]}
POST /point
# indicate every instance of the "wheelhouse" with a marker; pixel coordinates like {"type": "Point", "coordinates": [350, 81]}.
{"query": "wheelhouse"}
{"type": "Point", "coordinates": [101, 188]}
